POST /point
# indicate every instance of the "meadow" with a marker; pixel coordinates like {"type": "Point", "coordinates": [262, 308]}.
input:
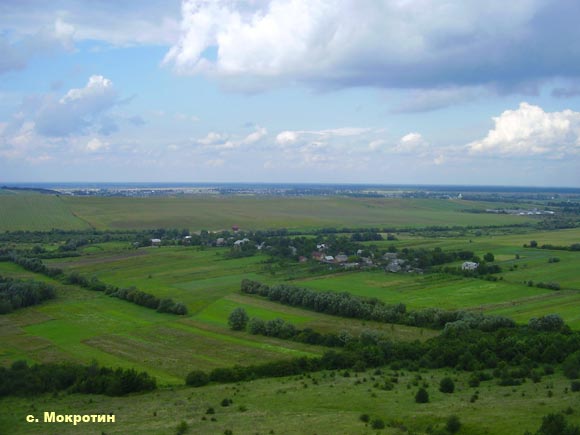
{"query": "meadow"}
{"type": "Point", "coordinates": [321, 403]}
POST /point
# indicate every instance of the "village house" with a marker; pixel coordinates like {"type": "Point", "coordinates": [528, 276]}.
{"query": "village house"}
{"type": "Point", "coordinates": [469, 265]}
{"type": "Point", "coordinates": [155, 242]}
{"type": "Point", "coordinates": [240, 242]}
{"type": "Point", "coordinates": [317, 255]}
{"type": "Point", "coordinates": [341, 258]}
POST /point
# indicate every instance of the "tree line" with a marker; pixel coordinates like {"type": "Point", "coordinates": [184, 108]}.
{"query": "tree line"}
{"type": "Point", "coordinates": [347, 305]}
{"type": "Point", "coordinates": [131, 294]}
{"type": "Point", "coordinates": [23, 380]}
{"type": "Point", "coordinates": [510, 355]}
{"type": "Point", "coordinates": [15, 294]}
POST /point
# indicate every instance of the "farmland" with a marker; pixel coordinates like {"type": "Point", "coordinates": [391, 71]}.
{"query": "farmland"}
{"type": "Point", "coordinates": [82, 326]}
{"type": "Point", "coordinates": [24, 211]}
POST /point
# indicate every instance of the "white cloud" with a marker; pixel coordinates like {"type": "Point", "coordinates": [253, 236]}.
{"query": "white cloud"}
{"type": "Point", "coordinates": [77, 110]}
{"type": "Point", "coordinates": [411, 143]}
{"type": "Point", "coordinates": [528, 131]}
{"type": "Point", "coordinates": [385, 43]}
{"type": "Point", "coordinates": [256, 136]}
{"type": "Point", "coordinates": [212, 138]}
{"type": "Point", "coordinates": [223, 141]}
{"type": "Point", "coordinates": [286, 137]}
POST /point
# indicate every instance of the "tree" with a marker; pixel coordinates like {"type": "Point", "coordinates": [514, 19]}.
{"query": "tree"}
{"type": "Point", "coordinates": [197, 378]}
{"type": "Point", "coordinates": [556, 424]}
{"type": "Point", "coordinates": [489, 257]}
{"type": "Point", "coordinates": [238, 319]}
{"type": "Point", "coordinates": [446, 385]}
{"type": "Point", "coordinates": [453, 424]}
{"type": "Point", "coordinates": [422, 396]}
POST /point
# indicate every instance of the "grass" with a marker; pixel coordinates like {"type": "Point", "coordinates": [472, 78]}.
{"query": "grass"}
{"type": "Point", "coordinates": [298, 405]}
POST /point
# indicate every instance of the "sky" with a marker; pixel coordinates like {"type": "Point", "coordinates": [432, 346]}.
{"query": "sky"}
{"type": "Point", "coordinates": [329, 91]}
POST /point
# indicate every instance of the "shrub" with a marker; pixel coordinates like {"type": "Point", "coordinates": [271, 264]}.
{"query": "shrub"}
{"type": "Point", "coordinates": [364, 418]}
{"type": "Point", "coordinates": [422, 396]}
{"type": "Point", "coordinates": [453, 424]}
{"type": "Point", "coordinates": [181, 428]}
{"type": "Point", "coordinates": [378, 423]}
{"type": "Point", "coordinates": [575, 386]}
{"type": "Point", "coordinates": [446, 385]}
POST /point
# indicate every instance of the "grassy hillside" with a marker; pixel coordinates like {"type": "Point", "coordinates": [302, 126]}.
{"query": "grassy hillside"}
{"type": "Point", "coordinates": [323, 403]}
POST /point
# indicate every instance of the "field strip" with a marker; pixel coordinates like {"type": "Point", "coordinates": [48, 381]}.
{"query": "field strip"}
{"type": "Point", "coordinates": [194, 327]}
{"type": "Point", "coordinates": [521, 301]}
{"type": "Point", "coordinates": [99, 259]}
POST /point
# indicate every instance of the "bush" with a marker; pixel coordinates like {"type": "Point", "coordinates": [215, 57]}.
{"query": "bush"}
{"type": "Point", "coordinates": [197, 378]}
{"type": "Point", "coordinates": [181, 428]}
{"type": "Point", "coordinates": [575, 386]}
{"type": "Point", "coordinates": [422, 396]}
{"type": "Point", "coordinates": [378, 423]}
{"type": "Point", "coordinates": [364, 418]}
{"type": "Point", "coordinates": [453, 424]}
{"type": "Point", "coordinates": [446, 386]}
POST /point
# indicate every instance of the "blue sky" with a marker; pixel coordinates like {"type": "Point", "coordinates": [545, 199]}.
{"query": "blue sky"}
{"type": "Point", "coordinates": [344, 91]}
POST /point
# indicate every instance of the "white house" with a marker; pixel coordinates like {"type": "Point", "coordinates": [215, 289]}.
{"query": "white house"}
{"type": "Point", "coordinates": [469, 265]}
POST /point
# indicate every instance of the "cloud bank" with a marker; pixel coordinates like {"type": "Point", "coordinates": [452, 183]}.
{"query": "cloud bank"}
{"type": "Point", "coordinates": [415, 44]}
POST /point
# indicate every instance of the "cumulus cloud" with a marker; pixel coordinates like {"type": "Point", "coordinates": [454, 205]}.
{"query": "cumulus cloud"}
{"type": "Point", "coordinates": [402, 44]}
{"type": "Point", "coordinates": [530, 131]}
{"type": "Point", "coordinates": [78, 109]}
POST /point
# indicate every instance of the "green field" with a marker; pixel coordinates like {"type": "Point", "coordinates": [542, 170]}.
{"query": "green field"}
{"type": "Point", "coordinates": [44, 212]}
{"type": "Point", "coordinates": [37, 212]}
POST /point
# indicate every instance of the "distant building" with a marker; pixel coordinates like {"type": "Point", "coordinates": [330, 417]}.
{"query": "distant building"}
{"type": "Point", "coordinates": [302, 259]}
{"type": "Point", "coordinates": [390, 256]}
{"type": "Point", "coordinates": [329, 258]}
{"type": "Point", "coordinates": [341, 258]}
{"type": "Point", "coordinates": [393, 267]}
{"type": "Point", "coordinates": [155, 242]}
{"type": "Point", "coordinates": [235, 228]}
{"type": "Point", "coordinates": [317, 255]}
{"type": "Point", "coordinates": [220, 241]}
{"type": "Point", "coordinates": [240, 242]}
{"type": "Point", "coordinates": [469, 265]}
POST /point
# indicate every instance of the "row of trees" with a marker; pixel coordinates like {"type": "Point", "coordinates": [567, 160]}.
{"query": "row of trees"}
{"type": "Point", "coordinates": [15, 294]}
{"type": "Point", "coordinates": [510, 354]}
{"type": "Point", "coordinates": [346, 305]}
{"type": "Point", "coordinates": [166, 305]}
{"type": "Point", "coordinates": [24, 380]}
